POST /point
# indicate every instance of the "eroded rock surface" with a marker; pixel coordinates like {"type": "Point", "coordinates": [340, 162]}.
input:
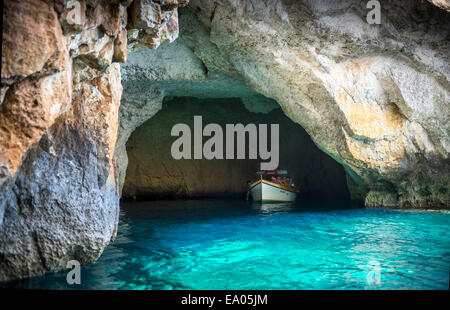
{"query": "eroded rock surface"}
{"type": "Point", "coordinates": [64, 204]}
{"type": "Point", "coordinates": [61, 91]}
{"type": "Point", "coordinates": [373, 97]}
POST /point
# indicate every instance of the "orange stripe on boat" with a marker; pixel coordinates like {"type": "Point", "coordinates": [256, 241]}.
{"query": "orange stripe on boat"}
{"type": "Point", "coordinates": [271, 184]}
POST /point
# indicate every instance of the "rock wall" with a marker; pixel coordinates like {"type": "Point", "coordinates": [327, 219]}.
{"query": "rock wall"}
{"type": "Point", "coordinates": [60, 97]}
{"type": "Point", "coordinates": [373, 97]}
{"type": "Point", "coordinates": [63, 204]}
{"type": "Point", "coordinates": [152, 172]}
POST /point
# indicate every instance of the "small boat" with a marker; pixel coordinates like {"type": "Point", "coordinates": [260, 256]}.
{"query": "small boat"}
{"type": "Point", "coordinates": [272, 186]}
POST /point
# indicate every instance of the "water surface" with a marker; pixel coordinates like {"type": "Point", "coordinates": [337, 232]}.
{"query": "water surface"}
{"type": "Point", "coordinates": [212, 244]}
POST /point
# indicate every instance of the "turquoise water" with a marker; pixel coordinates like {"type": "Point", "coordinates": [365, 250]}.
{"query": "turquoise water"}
{"type": "Point", "coordinates": [210, 244]}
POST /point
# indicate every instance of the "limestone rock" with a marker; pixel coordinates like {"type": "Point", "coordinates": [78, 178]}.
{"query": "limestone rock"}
{"type": "Point", "coordinates": [64, 203]}
{"type": "Point", "coordinates": [169, 32]}
{"type": "Point", "coordinates": [168, 5]}
{"type": "Point", "coordinates": [29, 108]}
{"type": "Point", "coordinates": [138, 106]}
{"type": "Point", "coordinates": [32, 40]}
{"type": "Point", "coordinates": [153, 23]}
{"type": "Point", "coordinates": [443, 4]}
{"type": "Point", "coordinates": [120, 47]}
{"type": "Point", "coordinates": [60, 94]}
{"type": "Point", "coordinates": [373, 97]}
{"type": "Point", "coordinates": [145, 14]}
{"type": "Point", "coordinates": [383, 198]}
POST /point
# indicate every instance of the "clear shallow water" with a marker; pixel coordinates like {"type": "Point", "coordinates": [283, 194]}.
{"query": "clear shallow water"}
{"type": "Point", "coordinates": [210, 244]}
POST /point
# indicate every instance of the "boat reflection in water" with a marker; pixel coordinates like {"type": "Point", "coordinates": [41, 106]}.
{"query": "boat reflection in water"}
{"type": "Point", "coordinates": [275, 207]}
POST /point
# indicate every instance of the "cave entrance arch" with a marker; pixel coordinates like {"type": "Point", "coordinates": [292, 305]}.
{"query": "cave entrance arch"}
{"type": "Point", "coordinates": [170, 85]}
{"type": "Point", "coordinates": [153, 173]}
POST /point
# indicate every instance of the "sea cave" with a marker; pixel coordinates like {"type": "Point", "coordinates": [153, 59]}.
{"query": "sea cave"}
{"type": "Point", "coordinates": [89, 99]}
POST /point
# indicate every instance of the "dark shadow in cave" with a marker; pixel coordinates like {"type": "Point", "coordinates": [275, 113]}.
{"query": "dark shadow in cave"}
{"type": "Point", "coordinates": [152, 173]}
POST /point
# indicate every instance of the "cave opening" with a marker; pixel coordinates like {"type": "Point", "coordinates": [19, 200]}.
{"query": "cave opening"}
{"type": "Point", "coordinates": [153, 173]}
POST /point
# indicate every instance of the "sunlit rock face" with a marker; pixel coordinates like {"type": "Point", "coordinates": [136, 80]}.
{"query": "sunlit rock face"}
{"type": "Point", "coordinates": [63, 204]}
{"type": "Point", "coordinates": [374, 97]}
{"type": "Point", "coordinates": [443, 4]}
{"type": "Point", "coordinates": [153, 172]}
{"type": "Point", "coordinates": [60, 96]}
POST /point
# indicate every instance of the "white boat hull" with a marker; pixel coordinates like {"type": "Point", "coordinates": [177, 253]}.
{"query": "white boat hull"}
{"type": "Point", "coordinates": [266, 191]}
